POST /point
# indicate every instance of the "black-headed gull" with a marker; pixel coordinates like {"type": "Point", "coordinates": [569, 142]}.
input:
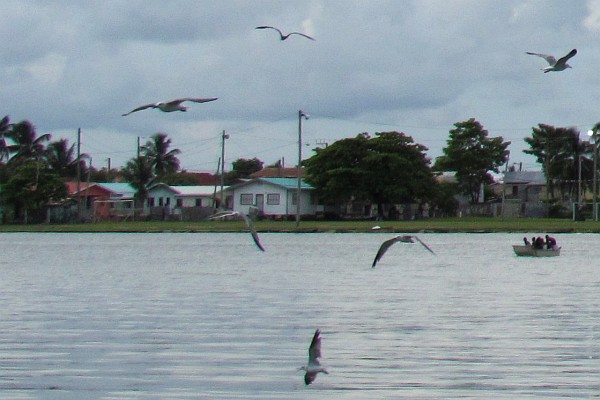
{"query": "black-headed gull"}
{"type": "Point", "coordinates": [173, 105]}
{"type": "Point", "coordinates": [247, 219]}
{"type": "Point", "coordinates": [401, 238]}
{"type": "Point", "coordinates": [314, 363]}
{"type": "Point", "coordinates": [281, 35]}
{"type": "Point", "coordinates": [559, 65]}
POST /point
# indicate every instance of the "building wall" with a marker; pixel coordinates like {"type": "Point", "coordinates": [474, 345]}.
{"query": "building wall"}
{"type": "Point", "coordinates": [271, 199]}
{"type": "Point", "coordinates": [160, 196]}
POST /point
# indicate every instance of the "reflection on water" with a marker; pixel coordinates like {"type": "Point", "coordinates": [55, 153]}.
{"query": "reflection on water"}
{"type": "Point", "coordinates": [179, 316]}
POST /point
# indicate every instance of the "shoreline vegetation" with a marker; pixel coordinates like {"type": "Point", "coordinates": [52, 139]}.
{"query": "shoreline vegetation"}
{"type": "Point", "coordinates": [442, 225]}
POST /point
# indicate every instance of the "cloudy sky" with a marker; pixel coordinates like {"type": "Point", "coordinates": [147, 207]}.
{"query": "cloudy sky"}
{"type": "Point", "coordinates": [412, 66]}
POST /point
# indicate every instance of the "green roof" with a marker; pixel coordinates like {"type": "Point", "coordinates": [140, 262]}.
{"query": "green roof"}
{"type": "Point", "coordinates": [288, 183]}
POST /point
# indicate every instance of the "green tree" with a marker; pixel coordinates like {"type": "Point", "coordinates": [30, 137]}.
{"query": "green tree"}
{"type": "Point", "coordinates": [30, 187]}
{"type": "Point", "coordinates": [337, 172]}
{"type": "Point", "coordinates": [471, 154]}
{"type": "Point", "coordinates": [242, 168]}
{"type": "Point", "coordinates": [164, 161]}
{"type": "Point", "coordinates": [27, 145]}
{"type": "Point", "coordinates": [386, 169]}
{"type": "Point", "coordinates": [139, 173]}
{"type": "Point", "coordinates": [62, 159]}
{"type": "Point", "coordinates": [558, 151]}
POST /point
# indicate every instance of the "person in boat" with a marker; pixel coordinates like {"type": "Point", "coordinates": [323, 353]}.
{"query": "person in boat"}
{"type": "Point", "coordinates": [526, 242]}
{"type": "Point", "coordinates": [539, 243]}
{"type": "Point", "coordinates": [550, 242]}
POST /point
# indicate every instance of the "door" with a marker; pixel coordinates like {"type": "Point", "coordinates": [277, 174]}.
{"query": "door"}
{"type": "Point", "coordinates": [260, 202]}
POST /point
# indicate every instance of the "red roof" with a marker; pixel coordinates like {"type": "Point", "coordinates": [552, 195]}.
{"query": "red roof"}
{"type": "Point", "coordinates": [277, 172]}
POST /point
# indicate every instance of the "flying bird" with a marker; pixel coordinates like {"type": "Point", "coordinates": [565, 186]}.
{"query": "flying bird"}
{"type": "Point", "coordinates": [554, 65]}
{"type": "Point", "coordinates": [401, 238]}
{"type": "Point", "coordinates": [314, 363]}
{"type": "Point", "coordinates": [173, 105]}
{"type": "Point", "coordinates": [247, 219]}
{"type": "Point", "coordinates": [281, 35]}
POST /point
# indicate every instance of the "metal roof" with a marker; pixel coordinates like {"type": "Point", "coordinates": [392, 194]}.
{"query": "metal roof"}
{"type": "Point", "coordinates": [198, 190]}
{"type": "Point", "coordinates": [121, 189]}
{"type": "Point", "coordinates": [287, 183]}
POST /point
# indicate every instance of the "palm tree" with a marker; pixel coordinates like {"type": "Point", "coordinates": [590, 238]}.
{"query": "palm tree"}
{"type": "Point", "coordinates": [27, 146]}
{"type": "Point", "coordinates": [4, 129]}
{"type": "Point", "coordinates": [138, 172]}
{"type": "Point", "coordinates": [163, 161]}
{"type": "Point", "coordinates": [62, 159]}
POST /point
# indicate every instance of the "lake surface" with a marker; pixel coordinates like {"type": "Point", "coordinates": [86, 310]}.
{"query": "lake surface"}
{"type": "Point", "coordinates": [189, 316]}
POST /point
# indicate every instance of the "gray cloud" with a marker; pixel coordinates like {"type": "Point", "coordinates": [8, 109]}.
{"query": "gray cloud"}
{"type": "Point", "coordinates": [413, 66]}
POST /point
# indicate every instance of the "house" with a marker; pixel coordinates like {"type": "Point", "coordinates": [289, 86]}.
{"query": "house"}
{"type": "Point", "coordinates": [523, 192]}
{"type": "Point", "coordinates": [102, 201]}
{"type": "Point", "coordinates": [274, 197]}
{"type": "Point", "coordinates": [181, 202]}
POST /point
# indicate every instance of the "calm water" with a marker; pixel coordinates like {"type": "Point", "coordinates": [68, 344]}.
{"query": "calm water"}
{"type": "Point", "coordinates": [188, 316]}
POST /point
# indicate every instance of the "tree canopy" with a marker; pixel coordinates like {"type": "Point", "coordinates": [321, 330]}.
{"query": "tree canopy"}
{"type": "Point", "coordinates": [471, 154]}
{"type": "Point", "coordinates": [558, 151]}
{"type": "Point", "coordinates": [386, 169]}
{"type": "Point", "coordinates": [164, 161]}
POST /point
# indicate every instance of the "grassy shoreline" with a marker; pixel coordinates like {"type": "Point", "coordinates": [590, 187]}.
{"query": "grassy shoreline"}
{"type": "Point", "coordinates": [443, 225]}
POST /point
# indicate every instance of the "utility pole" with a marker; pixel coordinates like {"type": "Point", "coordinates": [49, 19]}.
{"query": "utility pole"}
{"type": "Point", "coordinates": [299, 173]}
{"type": "Point", "coordinates": [78, 175]}
{"type": "Point", "coordinates": [223, 137]}
{"type": "Point", "coordinates": [108, 171]}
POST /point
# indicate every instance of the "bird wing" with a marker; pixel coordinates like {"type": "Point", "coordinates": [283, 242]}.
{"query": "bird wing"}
{"type": "Point", "coordinates": [152, 105]}
{"type": "Point", "coordinates": [563, 60]}
{"type": "Point", "coordinates": [301, 34]}
{"type": "Point", "coordinates": [424, 245]}
{"type": "Point", "coordinates": [194, 99]}
{"type": "Point", "coordinates": [250, 224]}
{"type": "Point", "coordinates": [314, 350]}
{"type": "Point", "coordinates": [223, 214]}
{"type": "Point", "coordinates": [309, 377]}
{"type": "Point", "coordinates": [270, 27]}
{"type": "Point", "coordinates": [549, 59]}
{"type": "Point", "coordinates": [253, 232]}
{"type": "Point", "coordinates": [383, 248]}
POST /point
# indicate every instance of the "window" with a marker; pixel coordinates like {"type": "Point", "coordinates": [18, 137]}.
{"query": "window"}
{"type": "Point", "coordinates": [198, 202]}
{"type": "Point", "coordinates": [273, 198]}
{"type": "Point", "coordinates": [150, 201]}
{"type": "Point", "coordinates": [246, 199]}
{"type": "Point", "coordinates": [515, 190]}
{"type": "Point", "coordinates": [160, 201]}
{"type": "Point", "coordinates": [168, 201]}
{"type": "Point", "coordinates": [179, 202]}
{"type": "Point", "coordinates": [294, 198]}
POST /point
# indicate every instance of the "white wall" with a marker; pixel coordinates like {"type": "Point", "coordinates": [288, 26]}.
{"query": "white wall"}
{"type": "Point", "coordinates": [285, 206]}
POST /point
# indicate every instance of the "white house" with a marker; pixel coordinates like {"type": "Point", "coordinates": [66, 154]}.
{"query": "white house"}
{"type": "Point", "coordinates": [194, 201]}
{"type": "Point", "coordinates": [274, 197]}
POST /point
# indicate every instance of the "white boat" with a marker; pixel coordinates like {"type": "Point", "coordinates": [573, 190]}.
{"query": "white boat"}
{"type": "Point", "coordinates": [528, 251]}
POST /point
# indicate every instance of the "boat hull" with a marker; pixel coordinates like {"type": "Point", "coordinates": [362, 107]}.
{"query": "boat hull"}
{"type": "Point", "coordinates": [528, 251]}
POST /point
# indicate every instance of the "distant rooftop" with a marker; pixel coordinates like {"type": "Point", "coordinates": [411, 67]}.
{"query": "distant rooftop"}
{"type": "Point", "coordinates": [277, 172]}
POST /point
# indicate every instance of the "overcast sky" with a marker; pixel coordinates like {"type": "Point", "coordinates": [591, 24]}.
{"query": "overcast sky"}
{"type": "Point", "coordinates": [416, 67]}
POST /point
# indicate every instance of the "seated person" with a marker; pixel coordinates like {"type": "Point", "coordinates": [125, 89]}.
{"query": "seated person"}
{"type": "Point", "coordinates": [539, 243]}
{"type": "Point", "coordinates": [550, 242]}
{"type": "Point", "coordinates": [526, 242]}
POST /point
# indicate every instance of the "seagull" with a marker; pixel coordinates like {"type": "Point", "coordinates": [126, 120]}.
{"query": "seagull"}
{"type": "Point", "coordinates": [559, 65]}
{"type": "Point", "coordinates": [173, 105]}
{"type": "Point", "coordinates": [401, 238]}
{"type": "Point", "coordinates": [314, 364]}
{"type": "Point", "coordinates": [281, 35]}
{"type": "Point", "coordinates": [246, 219]}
